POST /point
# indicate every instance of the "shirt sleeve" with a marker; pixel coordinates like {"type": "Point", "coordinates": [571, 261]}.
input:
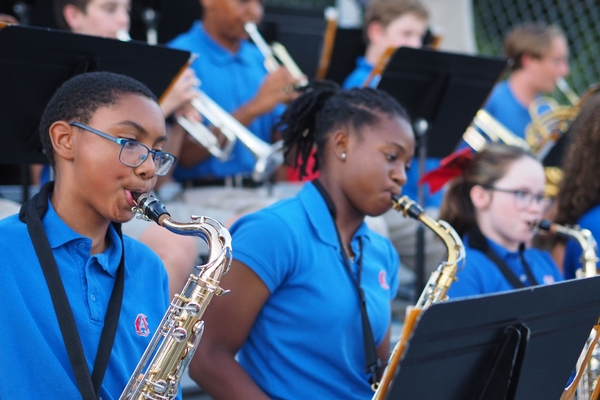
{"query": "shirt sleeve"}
{"type": "Point", "coordinates": [264, 243]}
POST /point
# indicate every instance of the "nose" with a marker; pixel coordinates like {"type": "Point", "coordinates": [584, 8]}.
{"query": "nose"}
{"type": "Point", "coordinates": [399, 175]}
{"type": "Point", "coordinates": [147, 169]}
{"type": "Point", "coordinates": [123, 18]}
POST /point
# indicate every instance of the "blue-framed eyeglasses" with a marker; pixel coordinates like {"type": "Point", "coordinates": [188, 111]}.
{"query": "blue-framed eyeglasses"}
{"type": "Point", "coordinates": [524, 198]}
{"type": "Point", "coordinates": [133, 153]}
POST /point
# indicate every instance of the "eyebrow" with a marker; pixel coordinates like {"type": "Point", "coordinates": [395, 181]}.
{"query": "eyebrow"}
{"type": "Point", "coordinates": [141, 130]}
{"type": "Point", "coordinates": [398, 145]}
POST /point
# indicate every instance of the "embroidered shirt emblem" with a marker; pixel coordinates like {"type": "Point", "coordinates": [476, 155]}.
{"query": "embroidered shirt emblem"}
{"type": "Point", "coordinates": [383, 280]}
{"type": "Point", "coordinates": [141, 325]}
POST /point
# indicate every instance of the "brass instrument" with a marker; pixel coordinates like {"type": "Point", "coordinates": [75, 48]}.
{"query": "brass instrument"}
{"type": "Point", "coordinates": [486, 128]}
{"type": "Point", "coordinates": [435, 290]}
{"type": "Point", "coordinates": [269, 157]}
{"type": "Point", "coordinates": [331, 16]}
{"type": "Point", "coordinates": [176, 339]}
{"type": "Point", "coordinates": [550, 121]}
{"type": "Point", "coordinates": [275, 55]}
{"type": "Point", "coordinates": [585, 384]}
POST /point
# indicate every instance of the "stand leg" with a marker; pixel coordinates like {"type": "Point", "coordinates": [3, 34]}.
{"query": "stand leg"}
{"type": "Point", "coordinates": [506, 366]}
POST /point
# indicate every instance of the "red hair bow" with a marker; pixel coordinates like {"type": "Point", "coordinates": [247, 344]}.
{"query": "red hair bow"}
{"type": "Point", "coordinates": [450, 167]}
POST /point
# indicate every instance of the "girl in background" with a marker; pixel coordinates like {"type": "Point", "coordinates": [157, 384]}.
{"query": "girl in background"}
{"type": "Point", "coordinates": [494, 205]}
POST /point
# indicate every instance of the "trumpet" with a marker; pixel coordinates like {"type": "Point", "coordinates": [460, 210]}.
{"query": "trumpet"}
{"type": "Point", "coordinates": [269, 157]}
{"type": "Point", "coordinates": [275, 55]}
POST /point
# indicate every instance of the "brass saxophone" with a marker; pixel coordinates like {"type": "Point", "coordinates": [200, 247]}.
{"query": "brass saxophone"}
{"type": "Point", "coordinates": [435, 290]}
{"type": "Point", "coordinates": [176, 339]}
{"type": "Point", "coordinates": [585, 384]}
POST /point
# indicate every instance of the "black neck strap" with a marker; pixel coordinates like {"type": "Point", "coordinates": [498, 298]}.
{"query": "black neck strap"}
{"type": "Point", "coordinates": [479, 242]}
{"type": "Point", "coordinates": [372, 362]}
{"type": "Point", "coordinates": [32, 213]}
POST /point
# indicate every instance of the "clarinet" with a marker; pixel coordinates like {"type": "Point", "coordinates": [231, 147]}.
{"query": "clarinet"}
{"type": "Point", "coordinates": [176, 339]}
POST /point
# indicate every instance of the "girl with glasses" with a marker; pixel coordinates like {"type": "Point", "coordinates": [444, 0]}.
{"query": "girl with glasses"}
{"type": "Point", "coordinates": [494, 205]}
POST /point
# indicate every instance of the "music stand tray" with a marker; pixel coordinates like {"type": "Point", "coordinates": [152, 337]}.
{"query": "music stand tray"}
{"type": "Point", "coordinates": [517, 345]}
{"type": "Point", "coordinates": [444, 89]}
{"type": "Point", "coordinates": [34, 62]}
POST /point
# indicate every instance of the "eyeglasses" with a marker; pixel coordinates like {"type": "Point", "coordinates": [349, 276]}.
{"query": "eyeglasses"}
{"type": "Point", "coordinates": [133, 153]}
{"type": "Point", "coordinates": [523, 198]}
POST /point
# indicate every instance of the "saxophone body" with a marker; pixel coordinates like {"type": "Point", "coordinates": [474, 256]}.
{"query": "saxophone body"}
{"type": "Point", "coordinates": [176, 339]}
{"type": "Point", "coordinates": [436, 288]}
{"type": "Point", "coordinates": [585, 384]}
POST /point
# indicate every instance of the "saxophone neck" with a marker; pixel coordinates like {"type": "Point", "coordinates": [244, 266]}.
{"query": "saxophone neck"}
{"type": "Point", "coordinates": [583, 237]}
{"type": "Point", "coordinates": [440, 281]}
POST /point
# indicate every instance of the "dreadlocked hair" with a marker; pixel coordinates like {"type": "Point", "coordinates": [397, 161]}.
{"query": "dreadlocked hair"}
{"type": "Point", "coordinates": [321, 109]}
{"type": "Point", "coordinates": [580, 187]}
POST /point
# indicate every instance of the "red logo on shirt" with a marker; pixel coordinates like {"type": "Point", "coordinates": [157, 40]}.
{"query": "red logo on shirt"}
{"type": "Point", "coordinates": [383, 280]}
{"type": "Point", "coordinates": [141, 325]}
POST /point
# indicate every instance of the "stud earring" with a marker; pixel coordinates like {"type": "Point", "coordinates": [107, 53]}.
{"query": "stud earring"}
{"type": "Point", "coordinates": [343, 156]}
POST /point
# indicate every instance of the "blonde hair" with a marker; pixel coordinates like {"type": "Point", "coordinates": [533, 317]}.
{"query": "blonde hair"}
{"type": "Point", "coordinates": [532, 38]}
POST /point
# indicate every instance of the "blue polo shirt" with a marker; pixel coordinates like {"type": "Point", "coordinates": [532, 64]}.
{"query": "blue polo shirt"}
{"type": "Point", "coordinates": [231, 80]}
{"type": "Point", "coordinates": [360, 74]}
{"type": "Point", "coordinates": [572, 262]}
{"type": "Point", "coordinates": [33, 357]}
{"type": "Point", "coordinates": [307, 340]}
{"type": "Point", "coordinates": [480, 275]}
{"type": "Point", "coordinates": [503, 106]}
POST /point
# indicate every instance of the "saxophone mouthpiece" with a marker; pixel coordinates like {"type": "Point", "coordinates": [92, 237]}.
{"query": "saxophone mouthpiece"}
{"type": "Point", "coordinates": [545, 225]}
{"type": "Point", "coordinates": [150, 207]}
{"type": "Point", "coordinates": [407, 206]}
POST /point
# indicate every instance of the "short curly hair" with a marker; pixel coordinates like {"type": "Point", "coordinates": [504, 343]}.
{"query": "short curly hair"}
{"type": "Point", "coordinates": [78, 99]}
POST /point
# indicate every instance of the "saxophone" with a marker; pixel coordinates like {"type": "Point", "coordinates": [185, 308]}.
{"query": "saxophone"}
{"type": "Point", "coordinates": [585, 384]}
{"type": "Point", "coordinates": [435, 290]}
{"type": "Point", "coordinates": [170, 350]}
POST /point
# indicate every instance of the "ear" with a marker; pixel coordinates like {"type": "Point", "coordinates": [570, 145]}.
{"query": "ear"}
{"type": "Point", "coordinates": [340, 144]}
{"type": "Point", "coordinates": [527, 60]}
{"type": "Point", "coordinates": [480, 197]}
{"type": "Point", "coordinates": [72, 16]}
{"type": "Point", "coordinates": [374, 32]}
{"type": "Point", "coordinates": [62, 137]}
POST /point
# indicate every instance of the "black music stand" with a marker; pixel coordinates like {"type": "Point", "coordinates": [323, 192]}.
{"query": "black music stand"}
{"type": "Point", "coordinates": [348, 46]}
{"type": "Point", "coordinates": [442, 92]}
{"type": "Point", "coordinates": [34, 62]}
{"type": "Point", "coordinates": [517, 345]}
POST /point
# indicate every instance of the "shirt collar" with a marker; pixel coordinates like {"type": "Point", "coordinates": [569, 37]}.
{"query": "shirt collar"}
{"type": "Point", "coordinates": [496, 248]}
{"type": "Point", "coordinates": [216, 52]}
{"type": "Point", "coordinates": [321, 220]}
{"type": "Point", "coordinates": [63, 234]}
